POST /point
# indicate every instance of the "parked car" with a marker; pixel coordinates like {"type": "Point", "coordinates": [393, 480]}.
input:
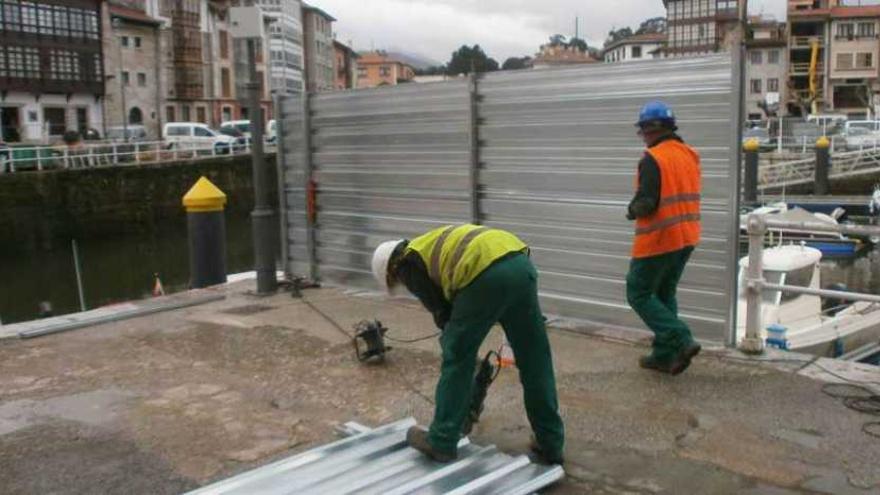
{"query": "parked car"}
{"type": "Point", "coordinates": [196, 136]}
{"type": "Point", "coordinates": [765, 142]}
{"type": "Point", "coordinates": [129, 134]}
{"type": "Point", "coordinates": [240, 140]}
{"type": "Point", "coordinates": [243, 126]}
{"type": "Point", "coordinates": [4, 158]}
{"type": "Point", "coordinates": [829, 123]}
{"type": "Point", "coordinates": [861, 137]}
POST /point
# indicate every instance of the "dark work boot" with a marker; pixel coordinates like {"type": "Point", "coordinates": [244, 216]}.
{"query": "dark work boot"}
{"type": "Point", "coordinates": [650, 362]}
{"type": "Point", "coordinates": [683, 360]}
{"type": "Point", "coordinates": [542, 456]}
{"type": "Point", "coordinates": [417, 438]}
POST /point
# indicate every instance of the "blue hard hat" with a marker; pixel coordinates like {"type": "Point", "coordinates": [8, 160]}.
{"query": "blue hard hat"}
{"type": "Point", "coordinates": [656, 111]}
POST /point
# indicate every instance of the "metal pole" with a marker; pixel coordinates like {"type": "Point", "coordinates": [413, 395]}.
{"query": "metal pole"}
{"type": "Point", "coordinates": [79, 283]}
{"type": "Point", "coordinates": [280, 168]}
{"type": "Point", "coordinates": [738, 111]}
{"type": "Point", "coordinates": [751, 179]}
{"type": "Point", "coordinates": [474, 129]}
{"type": "Point", "coordinates": [752, 342]}
{"type": "Point", "coordinates": [836, 294]}
{"type": "Point", "coordinates": [309, 188]}
{"type": "Point", "coordinates": [262, 217]}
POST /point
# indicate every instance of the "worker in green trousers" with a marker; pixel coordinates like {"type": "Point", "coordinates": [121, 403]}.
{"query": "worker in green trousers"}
{"type": "Point", "coordinates": [471, 278]}
{"type": "Point", "coordinates": [666, 209]}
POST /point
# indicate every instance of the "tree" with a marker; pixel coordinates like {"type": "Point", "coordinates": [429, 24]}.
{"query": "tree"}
{"type": "Point", "coordinates": [557, 39]}
{"type": "Point", "coordinates": [517, 63]}
{"type": "Point", "coordinates": [616, 35]}
{"type": "Point", "coordinates": [652, 26]}
{"type": "Point", "coordinates": [578, 43]}
{"type": "Point", "coordinates": [468, 58]}
{"type": "Point", "coordinates": [434, 70]}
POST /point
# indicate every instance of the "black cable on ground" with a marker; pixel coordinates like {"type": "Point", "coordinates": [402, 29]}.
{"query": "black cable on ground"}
{"type": "Point", "coordinates": [413, 341]}
{"type": "Point", "coordinates": [857, 398]}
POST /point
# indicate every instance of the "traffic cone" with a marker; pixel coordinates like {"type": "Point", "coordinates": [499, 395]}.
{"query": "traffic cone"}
{"type": "Point", "coordinates": [158, 290]}
{"type": "Point", "coordinates": [506, 359]}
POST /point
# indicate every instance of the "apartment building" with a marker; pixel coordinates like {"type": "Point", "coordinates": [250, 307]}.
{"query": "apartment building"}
{"type": "Point", "coordinates": [51, 68]}
{"type": "Point", "coordinates": [556, 55]}
{"type": "Point", "coordinates": [379, 69]}
{"type": "Point", "coordinates": [697, 27]}
{"type": "Point", "coordinates": [345, 66]}
{"type": "Point", "coordinates": [318, 48]}
{"type": "Point", "coordinates": [635, 48]}
{"type": "Point", "coordinates": [766, 68]}
{"type": "Point", "coordinates": [132, 66]}
{"type": "Point", "coordinates": [286, 56]}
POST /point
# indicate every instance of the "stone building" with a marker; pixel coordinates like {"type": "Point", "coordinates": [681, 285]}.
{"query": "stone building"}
{"type": "Point", "coordinates": [132, 62]}
{"type": "Point", "coordinates": [379, 69]}
{"type": "Point", "coordinates": [318, 49]}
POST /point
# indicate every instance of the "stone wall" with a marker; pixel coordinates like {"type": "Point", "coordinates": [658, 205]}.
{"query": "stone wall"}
{"type": "Point", "coordinates": [39, 210]}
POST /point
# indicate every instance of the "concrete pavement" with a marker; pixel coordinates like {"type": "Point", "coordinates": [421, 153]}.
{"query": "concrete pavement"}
{"type": "Point", "coordinates": [170, 401]}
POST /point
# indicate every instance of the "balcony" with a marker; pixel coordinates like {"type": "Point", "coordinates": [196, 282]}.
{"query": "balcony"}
{"type": "Point", "coordinates": [803, 68]}
{"type": "Point", "coordinates": [806, 42]}
{"type": "Point", "coordinates": [804, 94]}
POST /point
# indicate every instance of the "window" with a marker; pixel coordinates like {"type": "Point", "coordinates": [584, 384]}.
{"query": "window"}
{"type": "Point", "coordinates": [384, 71]}
{"type": "Point", "coordinates": [636, 52]}
{"type": "Point", "coordinates": [56, 119]}
{"type": "Point", "coordinates": [864, 60]}
{"type": "Point", "coordinates": [202, 132]}
{"type": "Point", "coordinates": [756, 57]}
{"type": "Point", "coordinates": [226, 114]}
{"type": "Point", "coordinates": [137, 41]}
{"type": "Point", "coordinates": [62, 26]}
{"type": "Point", "coordinates": [756, 86]}
{"type": "Point", "coordinates": [178, 130]}
{"type": "Point", "coordinates": [844, 61]}
{"type": "Point", "coordinates": [201, 115]}
{"type": "Point", "coordinates": [22, 62]}
{"type": "Point", "coordinates": [142, 79]}
{"type": "Point", "coordinates": [866, 30]}
{"type": "Point", "coordinates": [225, 85]}
{"type": "Point", "coordinates": [258, 51]}
{"type": "Point", "coordinates": [802, 277]}
{"type": "Point", "coordinates": [185, 113]}
{"type": "Point", "coordinates": [846, 30]}
{"type": "Point", "coordinates": [82, 119]}
{"type": "Point", "coordinates": [125, 42]}
{"type": "Point", "coordinates": [64, 65]}
{"type": "Point", "coordinates": [135, 116]}
{"type": "Point", "coordinates": [362, 72]}
{"type": "Point", "coordinates": [224, 44]}
{"type": "Point", "coordinates": [773, 85]}
{"type": "Point", "coordinates": [773, 57]}
{"type": "Point", "coordinates": [125, 78]}
{"type": "Point", "coordinates": [169, 114]}
{"type": "Point", "coordinates": [262, 82]}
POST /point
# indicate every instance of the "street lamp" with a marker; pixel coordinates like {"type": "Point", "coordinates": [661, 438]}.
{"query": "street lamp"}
{"type": "Point", "coordinates": [117, 24]}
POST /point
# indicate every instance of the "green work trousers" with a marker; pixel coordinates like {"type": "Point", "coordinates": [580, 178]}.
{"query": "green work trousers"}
{"type": "Point", "coordinates": [650, 290]}
{"type": "Point", "coordinates": [506, 292]}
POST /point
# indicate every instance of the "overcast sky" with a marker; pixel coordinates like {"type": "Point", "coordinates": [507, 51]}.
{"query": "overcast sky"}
{"type": "Point", "coordinates": [504, 28]}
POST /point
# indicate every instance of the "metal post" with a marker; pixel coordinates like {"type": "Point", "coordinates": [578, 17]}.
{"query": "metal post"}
{"type": "Point", "coordinates": [280, 164]}
{"type": "Point", "coordinates": [738, 111]}
{"type": "Point", "coordinates": [79, 283]}
{"type": "Point", "coordinates": [752, 342]}
{"type": "Point", "coordinates": [779, 139]}
{"type": "Point", "coordinates": [751, 179]}
{"type": "Point", "coordinates": [823, 164]}
{"type": "Point", "coordinates": [309, 187]}
{"type": "Point", "coordinates": [116, 24]}
{"type": "Point", "coordinates": [263, 215]}
{"type": "Point", "coordinates": [474, 129]}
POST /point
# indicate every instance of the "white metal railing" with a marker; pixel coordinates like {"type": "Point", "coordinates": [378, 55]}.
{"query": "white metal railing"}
{"type": "Point", "coordinates": [755, 285]}
{"type": "Point", "coordinates": [843, 164]}
{"type": "Point", "coordinates": [107, 154]}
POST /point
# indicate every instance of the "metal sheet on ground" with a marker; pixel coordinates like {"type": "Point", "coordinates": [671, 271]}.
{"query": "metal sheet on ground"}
{"type": "Point", "coordinates": [379, 461]}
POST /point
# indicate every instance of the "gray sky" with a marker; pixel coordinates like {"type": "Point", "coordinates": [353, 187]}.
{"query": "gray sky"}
{"type": "Point", "coordinates": [504, 28]}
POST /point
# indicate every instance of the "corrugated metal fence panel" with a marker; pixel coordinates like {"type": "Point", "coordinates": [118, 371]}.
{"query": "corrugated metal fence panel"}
{"type": "Point", "coordinates": [559, 159]}
{"type": "Point", "coordinates": [389, 163]}
{"type": "Point", "coordinates": [380, 462]}
{"type": "Point", "coordinates": [291, 141]}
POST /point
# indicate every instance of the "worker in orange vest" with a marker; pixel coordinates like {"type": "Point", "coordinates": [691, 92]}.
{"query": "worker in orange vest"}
{"type": "Point", "coordinates": [666, 209]}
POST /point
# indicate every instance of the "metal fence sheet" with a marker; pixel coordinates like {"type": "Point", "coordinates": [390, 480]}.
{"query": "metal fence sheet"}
{"type": "Point", "coordinates": [558, 155]}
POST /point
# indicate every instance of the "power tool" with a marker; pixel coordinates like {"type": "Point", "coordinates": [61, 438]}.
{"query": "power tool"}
{"type": "Point", "coordinates": [372, 333]}
{"type": "Point", "coordinates": [486, 374]}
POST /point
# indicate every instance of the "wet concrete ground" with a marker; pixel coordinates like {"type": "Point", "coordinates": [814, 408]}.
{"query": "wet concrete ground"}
{"type": "Point", "coordinates": [172, 401]}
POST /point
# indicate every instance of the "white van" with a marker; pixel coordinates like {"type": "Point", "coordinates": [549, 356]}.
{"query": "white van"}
{"type": "Point", "coordinates": [242, 126]}
{"type": "Point", "coordinates": [271, 132]}
{"type": "Point", "coordinates": [868, 125]}
{"type": "Point", "coordinates": [196, 136]}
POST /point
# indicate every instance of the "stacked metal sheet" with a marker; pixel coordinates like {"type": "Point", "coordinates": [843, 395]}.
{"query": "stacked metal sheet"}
{"type": "Point", "coordinates": [378, 461]}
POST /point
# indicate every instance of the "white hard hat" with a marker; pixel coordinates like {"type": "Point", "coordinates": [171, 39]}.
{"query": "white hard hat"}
{"type": "Point", "coordinates": [381, 257]}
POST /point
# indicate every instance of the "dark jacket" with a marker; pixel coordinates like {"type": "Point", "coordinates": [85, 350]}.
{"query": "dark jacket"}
{"type": "Point", "coordinates": [647, 197]}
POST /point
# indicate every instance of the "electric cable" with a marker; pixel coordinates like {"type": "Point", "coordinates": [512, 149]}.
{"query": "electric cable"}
{"type": "Point", "coordinates": [413, 341]}
{"type": "Point", "coordinates": [857, 398]}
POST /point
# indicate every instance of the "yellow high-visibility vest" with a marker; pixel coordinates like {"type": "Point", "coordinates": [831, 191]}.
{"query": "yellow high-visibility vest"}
{"type": "Point", "coordinates": [456, 254]}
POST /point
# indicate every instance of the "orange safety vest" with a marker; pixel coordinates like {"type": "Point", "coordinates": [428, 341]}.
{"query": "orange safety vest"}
{"type": "Point", "coordinates": [675, 224]}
